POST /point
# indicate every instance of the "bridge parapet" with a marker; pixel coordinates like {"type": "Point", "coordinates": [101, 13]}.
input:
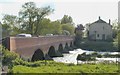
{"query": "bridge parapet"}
{"type": "Point", "coordinates": [14, 43]}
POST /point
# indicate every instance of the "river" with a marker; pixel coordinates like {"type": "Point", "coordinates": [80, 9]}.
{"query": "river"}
{"type": "Point", "coordinates": [72, 55]}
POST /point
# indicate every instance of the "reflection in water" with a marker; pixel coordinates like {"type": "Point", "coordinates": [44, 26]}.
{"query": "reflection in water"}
{"type": "Point", "coordinates": [71, 57]}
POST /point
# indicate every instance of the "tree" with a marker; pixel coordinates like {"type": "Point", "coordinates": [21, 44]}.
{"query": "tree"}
{"type": "Point", "coordinates": [118, 36]}
{"type": "Point", "coordinates": [67, 19]}
{"type": "Point", "coordinates": [56, 28]}
{"type": "Point", "coordinates": [87, 29]}
{"type": "Point", "coordinates": [115, 28]}
{"type": "Point", "coordinates": [44, 25]}
{"type": "Point", "coordinates": [78, 34]}
{"type": "Point", "coordinates": [32, 16]}
{"type": "Point", "coordinates": [28, 14]}
{"type": "Point", "coordinates": [49, 27]}
{"type": "Point", "coordinates": [65, 32]}
{"type": "Point", "coordinates": [41, 13]}
{"type": "Point", "coordinates": [10, 25]}
{"type": "Point", "coordinates": [68, 27]}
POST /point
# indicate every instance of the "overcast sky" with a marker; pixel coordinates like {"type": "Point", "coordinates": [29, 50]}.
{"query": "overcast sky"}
{"type": "Point", "coordinates": [82, 11]}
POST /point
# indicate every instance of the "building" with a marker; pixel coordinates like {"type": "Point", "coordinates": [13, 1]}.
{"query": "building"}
{"type": "Point", "coordinates": [100, 30]}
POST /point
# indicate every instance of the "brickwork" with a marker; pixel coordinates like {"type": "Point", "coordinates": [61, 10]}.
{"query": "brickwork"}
{"type": "Point", "coordinates": [26, 47]}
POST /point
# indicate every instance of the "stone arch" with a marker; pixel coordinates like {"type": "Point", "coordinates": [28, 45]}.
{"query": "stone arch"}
{"type": "Point", "coordinates": [66, 46]}
{"type": "Point", "coordinates": [60, 48]}
{"type": "Point", "coordinates": [38, 55]}
{"type": "Point", "coordinates": [71, 44]}
{"type": "Point", "coordinates": [52, 52]}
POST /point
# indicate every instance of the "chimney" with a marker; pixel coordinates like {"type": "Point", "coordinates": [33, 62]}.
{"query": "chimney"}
{"type": "Point", "coordinates": [99, 17]}
{"type": "Point", "coordinates": [109, 21]}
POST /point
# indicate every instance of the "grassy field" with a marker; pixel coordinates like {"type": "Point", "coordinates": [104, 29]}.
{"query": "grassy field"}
{"type": "Point", "coordinates": [54, 67]}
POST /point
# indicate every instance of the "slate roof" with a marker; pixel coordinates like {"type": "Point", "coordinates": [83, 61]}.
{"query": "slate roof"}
{"type": "Point", "coordinates": [99, 21]}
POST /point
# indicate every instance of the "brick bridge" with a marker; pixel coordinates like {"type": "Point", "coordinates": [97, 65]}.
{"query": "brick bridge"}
{"type": "Point", "coordinates": [39, 48]}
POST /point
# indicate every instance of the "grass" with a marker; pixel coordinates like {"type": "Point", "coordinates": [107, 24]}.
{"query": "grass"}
{"type": "Point", "coordinates": [54, 67]}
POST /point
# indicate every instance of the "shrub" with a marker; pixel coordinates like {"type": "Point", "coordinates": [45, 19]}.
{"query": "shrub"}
{"type": "Point", "coordinates": [99, 56]}
{"type": "Point", "coordinates": [94, 53]}
{"type": "Point", "coordinates": [8, 57]}
{"type": "Point", "coordinates": [19, 61]}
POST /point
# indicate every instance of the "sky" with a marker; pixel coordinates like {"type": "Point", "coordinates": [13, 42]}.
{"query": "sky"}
{"type": "Point", "coordinates": [82, 11]}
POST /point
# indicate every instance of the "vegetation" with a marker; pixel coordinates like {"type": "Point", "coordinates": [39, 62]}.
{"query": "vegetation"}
{"type": "Point", "coordinates": [67, 20]}
{"type": "Point", "coordinates": [86, 57]}
{"type": "Point", "coordinates": [32, 20]}
{"type": "Point", "coordinates": [18, 65]}
{"type": "Point", "coordinates": [54, 67]}
{"type": "Point", "coordinates": [78, 34]}
{"type": "Point", "coordinates": [94, 55]}
{"type": "Point", "coordinates": [98, 45]}
{"type": "Point", "coordinates": [111, 55]}
{"type": "Point", "coordinates": [8, 57]}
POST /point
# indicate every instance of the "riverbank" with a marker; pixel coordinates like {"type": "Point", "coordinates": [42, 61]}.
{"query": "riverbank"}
{"type": "Point", "coordinates": [98, 45]}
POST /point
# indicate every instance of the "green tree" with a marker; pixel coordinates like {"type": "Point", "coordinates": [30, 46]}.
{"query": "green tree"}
{"type": "Point", "coordinates": [40, 14]}
{"type": "Point", "coordinates": [68, 27]}
{"type": "Point", "coordinates": [32, 16]}
{"type": "Point", "coordinates": [87, 30]}
{"type": "Point", "coordinates": [28, 14]}
{"type": "Point", "coordinates": [49, 27]}
{"type": "Point", "coordinates": [56, 27]}
{"type": "Point", "coordinates": [10, 25]}
{"type": "Point", "coordinates": [78, 34]}
{"type": "Point", "coordinates": [118, 36]}
{"type": "Point", "coordinates": [44, 26]}
{"type": "Point", "coordinates": [115, 28]}
{"type": "Point", "coordinates": [66, 19]}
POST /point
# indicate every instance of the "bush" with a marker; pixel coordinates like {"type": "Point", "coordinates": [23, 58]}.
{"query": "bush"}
{"type": "Point", "coordinates": [99, 56]}
{"type": "Point", "coordinates": [19, 61]}
{"type": "Point", "coordinates": [94, 53]}
{"type": "Point", "coordinates": [8, 57]}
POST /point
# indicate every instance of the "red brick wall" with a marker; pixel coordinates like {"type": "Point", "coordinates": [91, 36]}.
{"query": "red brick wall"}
{"type": "Point", "coordinates": [25, 46]}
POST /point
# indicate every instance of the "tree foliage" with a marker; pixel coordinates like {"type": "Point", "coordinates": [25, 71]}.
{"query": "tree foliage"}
{"type": "Point", "coordinates": [31, 20]}
{"type": "Point", "coordinates": [78, 34]}
{"type": "Point", "coordinates": [33, 15]}
{"type": "Point", "coordinates": [7, 56]}
{"type": "Point", "coordinates": [115, 28]}
{"type": "Point", "coordinates": [69, 28]}
{"type": "Point", "coordinates": [10, 25]}
{"type": "Point", "coordinates": [66, 19]}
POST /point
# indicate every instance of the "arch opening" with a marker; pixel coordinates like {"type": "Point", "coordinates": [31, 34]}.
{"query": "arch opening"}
{"type": "Point", "coordinates": [60, 48]}
{"type": "Point", "coordinates": [38, 55]}
{"type": "Point", "coordinates": [71, 45]}
{"type": "Point", "coordinates": [66, 49]}
{"type": "Point", "coordinates": [52, 52]}
{"type": "Point", "coordinates": [66, 46]}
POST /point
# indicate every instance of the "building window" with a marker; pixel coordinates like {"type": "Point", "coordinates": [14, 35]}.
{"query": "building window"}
{"type": "Point", "coordinates": [97, 35]}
